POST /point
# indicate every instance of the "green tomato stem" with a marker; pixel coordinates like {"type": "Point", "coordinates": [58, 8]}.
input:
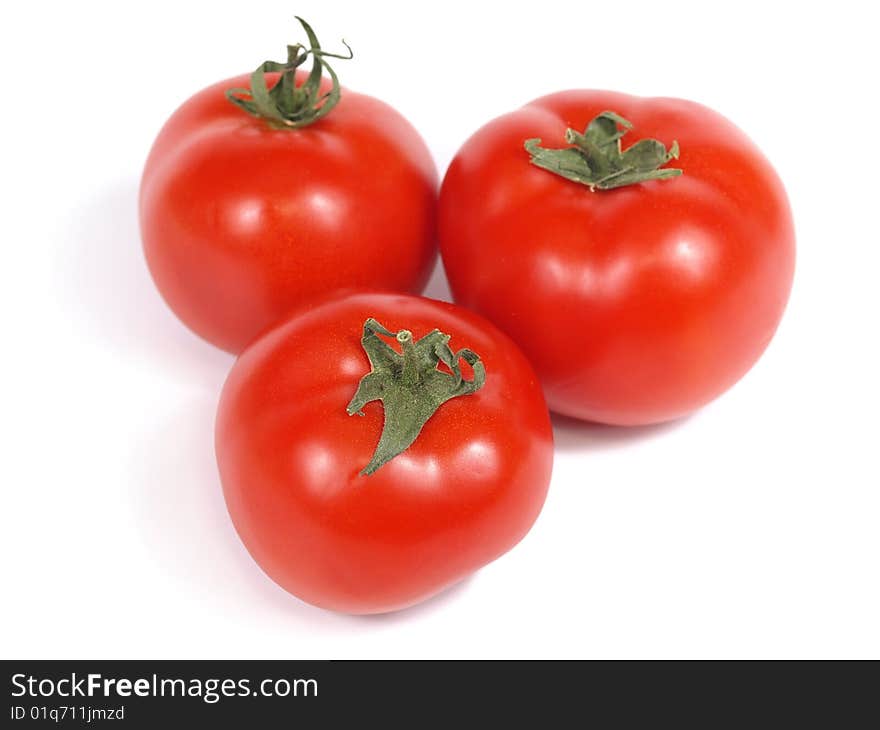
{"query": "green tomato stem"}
{"type": "Point", "coordinates": [597, 160]}
{"type": "Point", "coordinates": [409, 384]}
{"type": "Point", "coordinates": [286, 105]}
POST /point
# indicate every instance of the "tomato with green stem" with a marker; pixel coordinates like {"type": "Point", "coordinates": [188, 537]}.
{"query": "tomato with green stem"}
{"type": "Point", "coordinates": [641, 280]}
{"type": "Point", "coordinates": [263, 193]}
{"type": "Point", "coordinates": [378, 448]}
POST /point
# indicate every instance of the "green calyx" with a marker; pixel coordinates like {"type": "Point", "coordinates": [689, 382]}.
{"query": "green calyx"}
{"type": "Point", "coordinates": [287, 105]}
{"type": "Point", "coordinates": [597, 160]}
{"type": "Point", "coordinates": [409, 384]}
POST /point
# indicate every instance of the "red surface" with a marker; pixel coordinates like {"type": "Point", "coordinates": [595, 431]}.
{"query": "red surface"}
{"type": "Point", "coordinates": [242, 222]}
{"type": "Point", "coordinates": [634, 305]}
{"type": "Point", "coordinates": [465, 492]}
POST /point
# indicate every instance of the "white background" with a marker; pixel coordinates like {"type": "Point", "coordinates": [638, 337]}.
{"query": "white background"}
{"type": "Point", "coordinates": [751, 529]}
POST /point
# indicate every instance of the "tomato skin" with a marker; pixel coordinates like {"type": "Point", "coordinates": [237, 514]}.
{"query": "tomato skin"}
{"type": "Point", "coordinates": [635, 305]}
{"type": "Point", "coordinates": [242, 222]}
{"type": "Point", "coordinates": [465, 492]}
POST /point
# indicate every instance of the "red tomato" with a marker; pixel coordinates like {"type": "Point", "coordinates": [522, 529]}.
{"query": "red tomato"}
{"type": "Point", "coordinates": [638, 304]}
{"type": "Point", "coordinates": [291, 458]}
{"type": "Point", "coordinates": [242, 221]}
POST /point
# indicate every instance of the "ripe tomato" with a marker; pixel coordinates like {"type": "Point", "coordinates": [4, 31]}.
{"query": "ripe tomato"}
{"type": "Point", "coordinates": [636, 304]}
{"type": "Point", "coordinates": [245, 218]}
{"type": "Point", "coordinates": [352, 530]}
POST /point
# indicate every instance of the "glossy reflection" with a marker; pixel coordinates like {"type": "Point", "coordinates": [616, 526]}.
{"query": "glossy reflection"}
{"type": "Point", "coordinates": [479, 459]}
{"type": "Point", "coordinates": [422, 473]}
{"type": "Point", "coordinates": [584, 279]}
{"type": "Point", "coordinates": [246, 216]}
{"type": "Point", "coordinates": [692, 255]}
{"type": "Point", "coordinates": [315, 463]}
{"type": "Point", "coordinates": [323, 203]}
